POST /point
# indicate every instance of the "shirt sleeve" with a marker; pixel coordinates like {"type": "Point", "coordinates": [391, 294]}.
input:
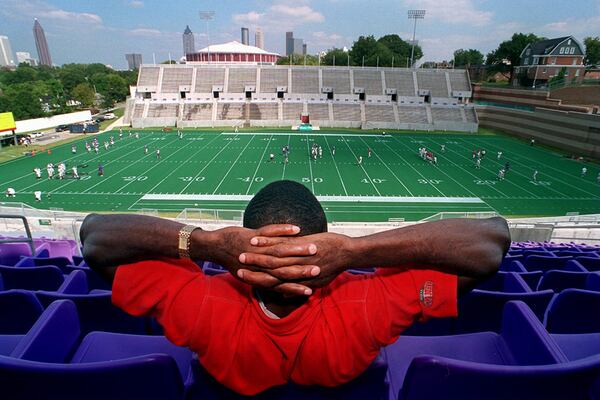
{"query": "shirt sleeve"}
{"type": "Point", "coordinates": [172, 291]}
{"type": "Point", "coordinates": [398, 298]}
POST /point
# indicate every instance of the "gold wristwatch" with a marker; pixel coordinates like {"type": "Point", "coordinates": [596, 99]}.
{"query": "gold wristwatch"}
{"type": "Point", "coordinates": [185, 238]}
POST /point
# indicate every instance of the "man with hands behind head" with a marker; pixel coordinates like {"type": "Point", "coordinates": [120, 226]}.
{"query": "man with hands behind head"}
{"type": "Point", "coordinates": [288, 310]}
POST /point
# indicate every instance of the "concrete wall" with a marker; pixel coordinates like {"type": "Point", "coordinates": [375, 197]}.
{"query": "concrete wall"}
{"type": "Point", "coordinates": [39, 124]}
{"type": "Point", "coordinates": [573, 132]}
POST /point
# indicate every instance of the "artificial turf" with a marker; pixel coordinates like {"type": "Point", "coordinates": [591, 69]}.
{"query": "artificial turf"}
{"type": "Point", "coordinates": [222, 170]}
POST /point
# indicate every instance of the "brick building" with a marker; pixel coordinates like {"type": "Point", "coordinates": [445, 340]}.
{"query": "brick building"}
{"type": "Point", "coordinates": [544, 59]}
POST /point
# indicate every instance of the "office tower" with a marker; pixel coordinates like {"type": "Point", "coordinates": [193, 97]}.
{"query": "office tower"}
{"type": "Point", "coordinates": [245, 36]}
{"type": "Point", "coordinates": [41, 44]}
{"type": "Point", "coordinates": [6, 54]}
{"type": "Point", "coordinates": [259, 39]}
{"type": "Point", "coordinates": [188, 41]}
{"type": "Point", "coordinates": [134, 60]}
{"type": "Point", "coordinates": [293, 45]}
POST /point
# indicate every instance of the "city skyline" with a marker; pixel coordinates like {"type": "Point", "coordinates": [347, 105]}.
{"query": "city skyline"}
{"type": "Point", "coordinates": [79, 31]}
{"type": "Point", "coordinates": [6, 54]}
{"type": "Point", "coordinates": [189, 44]}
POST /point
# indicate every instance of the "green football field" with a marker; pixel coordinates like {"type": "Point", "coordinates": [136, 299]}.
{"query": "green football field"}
{"type": "Point", "coordinates": [213, 170]}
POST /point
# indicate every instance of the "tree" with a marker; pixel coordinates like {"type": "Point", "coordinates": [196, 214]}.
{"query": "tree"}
{"type": "Point", "coordinates": [508, 53]}
{"type": "Point", "coordinates": [337, 56]}
{"type": "Point", "coordinates": [592, 50]}
{"type": "Point", "coordinates": [298, 59]}
{"type": "Point", "coordinates": [401, 49]}
{"type": "Point", "coordinates": [84, 94]}
{"type": "Point", "coordinates": [112, 87]}
{"type": "Point", "coordinates": [464, 57]}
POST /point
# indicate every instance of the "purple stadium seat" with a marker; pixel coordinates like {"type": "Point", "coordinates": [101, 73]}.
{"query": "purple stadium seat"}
{"type": "Point", "coordinates": [41, 365]}
{"type": "Point", "coordinates": [561, 280]}
{"type": "Point", "coordinates": [509, 259]}
{"type": "Point", "coordinates": [481, 310]}
{"type": "Point", "coordinates": [60, 262]}
{"type": "Point", "coordinates": [589, 263]}
{"type": "Point", "coordinates": [593, 281]}
{"type": "Point", "coordinates": [545, 263]}
{"type": "Point", "coordinates": [97, 313]}
{"type": "Point", "coordinates": [508, 282]}
{"type": "Point", "coordinates": [19, 310]}
{"type": "Point", "coordinates": [513, 266]}
{"type": "Point", "coordinates": [94, 280]}
{"type": "Point", "coordinates": [522, 342]}
{"type": "Point", "coordinates": [10, 253]}
{"type": "Point", "coordinates": [32, 278]}
{"type": "Point", "coordinates": [56, 248]}
{"type": "Point", "coordinates": [574, 311]}
{"type": "Point", "coordinates": [578, 346]}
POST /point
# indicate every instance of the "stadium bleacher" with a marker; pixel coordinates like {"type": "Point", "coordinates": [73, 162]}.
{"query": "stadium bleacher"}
{"type": "Point", "coordinates": [61, 339]}
{"type": "Point", "coordinates": [404, 88]}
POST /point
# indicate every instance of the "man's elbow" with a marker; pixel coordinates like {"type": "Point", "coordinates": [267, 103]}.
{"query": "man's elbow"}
{"type": "Point", "coordinates": [499, 243]}
{"type": "Point", "coordinates": [87, 227]}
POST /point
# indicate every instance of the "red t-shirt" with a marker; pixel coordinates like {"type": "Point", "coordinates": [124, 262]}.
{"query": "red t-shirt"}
{"type": "Point", "coordinates": [329, 340]}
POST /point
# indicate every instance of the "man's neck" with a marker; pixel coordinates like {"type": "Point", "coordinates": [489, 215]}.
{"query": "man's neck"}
{"type": "Point", "coordinates": [280, 305]}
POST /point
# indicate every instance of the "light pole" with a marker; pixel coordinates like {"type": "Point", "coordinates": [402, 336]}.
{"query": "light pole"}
{"type": "Point", "coordinates": [207, 16]}
{"type": "Point", "coordinates": [414, 14]}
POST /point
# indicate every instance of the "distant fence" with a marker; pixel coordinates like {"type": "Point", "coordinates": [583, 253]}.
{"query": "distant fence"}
{"type": "Point", "coordinates": [212, 215]}
{"type": "Point", "coordinates": [448, 215]}
{"type": "Point", "coordinates": [37, 124]}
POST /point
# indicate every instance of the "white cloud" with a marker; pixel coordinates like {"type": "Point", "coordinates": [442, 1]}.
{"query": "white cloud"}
{"type": "Point", "coordinates": [136, 4]}
{"type": "Point", "coordinates": [146, 32]}
{"type": "Point", "coordinates": [29, 9]}
{"type": "Point", "coordinates": [282, 16]}
{"type": "Point", "coordinates": [324, 41]}
{"type": "Point", "coordinates": [452, 11]}
{"type": "Point", "coordinates": [300, 13]}
{"type": "Point", "coordinates": [250, 18]}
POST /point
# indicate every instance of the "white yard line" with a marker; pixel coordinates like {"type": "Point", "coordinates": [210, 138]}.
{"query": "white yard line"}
{"type": "Point", "coordinates": [233, 165]}
{"type": "Point", "coordinates": [336, 168]}
{"type": "Point", "coordinates": [410, 165]}
{"type": "Point", "coordinates": [206, 166]}
{"type": "Point", "coordinates": [389, 169]}
{"type": "Point", "coordinates": [145, 173]}
{"type": "Point", "coordinates": [122, 169]}
{"type": "Point", "coordinates": [262, 157]}
{"type": "Point", "coordinates": [359, 199]}
{"type": "Point", "coordinates": [553, 176]}
{"type": "Point", "coordinates": [284, 163]}
{"type": "Point", "coordinates": [310, 160]}
{"type": "Point", "coordinates": [363, 168]}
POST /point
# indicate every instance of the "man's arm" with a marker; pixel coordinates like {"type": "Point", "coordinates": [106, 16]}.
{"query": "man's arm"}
{"type": "Point", "coordinates": [469, 248]}
{"type": "Point", "coordinates": [113, 240]}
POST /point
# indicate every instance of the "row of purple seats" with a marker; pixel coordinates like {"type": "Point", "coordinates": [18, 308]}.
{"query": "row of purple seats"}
{"type": "Point", "coordinates": [48, 278]}
{"type": "Point", "coordinates": [522, 361]}
{"type": "Point", "coordinates": [11, 253]}
{"type": "Point", "coordinates": [481, 310]}
{"type": "Point", "coordinates": [56, 360]}
{"type": "Point", "coordinates": [19, 307]}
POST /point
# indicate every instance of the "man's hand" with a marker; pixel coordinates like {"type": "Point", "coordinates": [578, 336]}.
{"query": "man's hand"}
{"type": "Point", "coordinates": [331, 252]}
{"type": "Point", "coordinates": [225, 246]}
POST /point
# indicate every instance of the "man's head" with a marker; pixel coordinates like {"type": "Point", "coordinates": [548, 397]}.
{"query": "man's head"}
{"type": "Point", "coordinates": [286, 202]}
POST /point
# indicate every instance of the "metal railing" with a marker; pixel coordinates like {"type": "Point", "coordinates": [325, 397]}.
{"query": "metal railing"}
{"type": "Point", "coordinates": [29, 238]}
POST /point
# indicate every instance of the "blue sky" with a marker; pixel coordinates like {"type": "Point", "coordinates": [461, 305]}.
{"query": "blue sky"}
{"type": "Point", "coordinates": [103, 31]}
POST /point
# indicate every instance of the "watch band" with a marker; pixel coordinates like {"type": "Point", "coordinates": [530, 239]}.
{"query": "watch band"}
{"type": "Point", "coordinates": [185, 238]}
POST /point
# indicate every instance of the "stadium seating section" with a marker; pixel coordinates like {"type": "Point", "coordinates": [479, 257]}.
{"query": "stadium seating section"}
{"type": "Point", "coordinates": [185, 95]}
{"type": "Point", "coordinates": [531, 331]}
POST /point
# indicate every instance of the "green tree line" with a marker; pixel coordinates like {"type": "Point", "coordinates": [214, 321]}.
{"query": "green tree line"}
{"type": "Point", "coordinates": [387, 51]}
{"type": "Point", "coordinates": [34, 92]}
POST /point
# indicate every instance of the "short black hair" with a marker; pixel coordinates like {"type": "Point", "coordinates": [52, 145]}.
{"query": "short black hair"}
{"type": "Point", "coordinates": [286, 202]}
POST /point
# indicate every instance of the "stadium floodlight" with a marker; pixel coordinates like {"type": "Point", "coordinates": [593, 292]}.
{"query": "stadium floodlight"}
{"type": "Point", "coordinates": [207, 16]}
{"type": "Point", "coordinates": [414, 14]}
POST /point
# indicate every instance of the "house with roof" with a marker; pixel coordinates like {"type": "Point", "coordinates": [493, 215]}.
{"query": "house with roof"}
{"type": "Point", "coordinates": [544, 59]}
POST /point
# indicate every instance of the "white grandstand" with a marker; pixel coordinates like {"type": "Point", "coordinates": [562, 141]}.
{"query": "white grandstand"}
{"type": "Point", "coordinates": [228, 95]}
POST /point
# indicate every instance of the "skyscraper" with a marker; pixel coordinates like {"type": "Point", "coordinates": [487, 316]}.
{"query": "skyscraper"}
{"type": "Point", "coordinates": [293, 45]}
{"type": "Point", "coordinates": [188, 41]}
{"type": "Point", "coordinates": [6, 54]}
{"type": "Point", "coordinates": [245, 36]}
{"type": "Point", "coordinates": [41, 44]}
{"type": "Point", "coordinates": [134, 60]}
{"type": "Point", "coordinates": [259, 39]}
